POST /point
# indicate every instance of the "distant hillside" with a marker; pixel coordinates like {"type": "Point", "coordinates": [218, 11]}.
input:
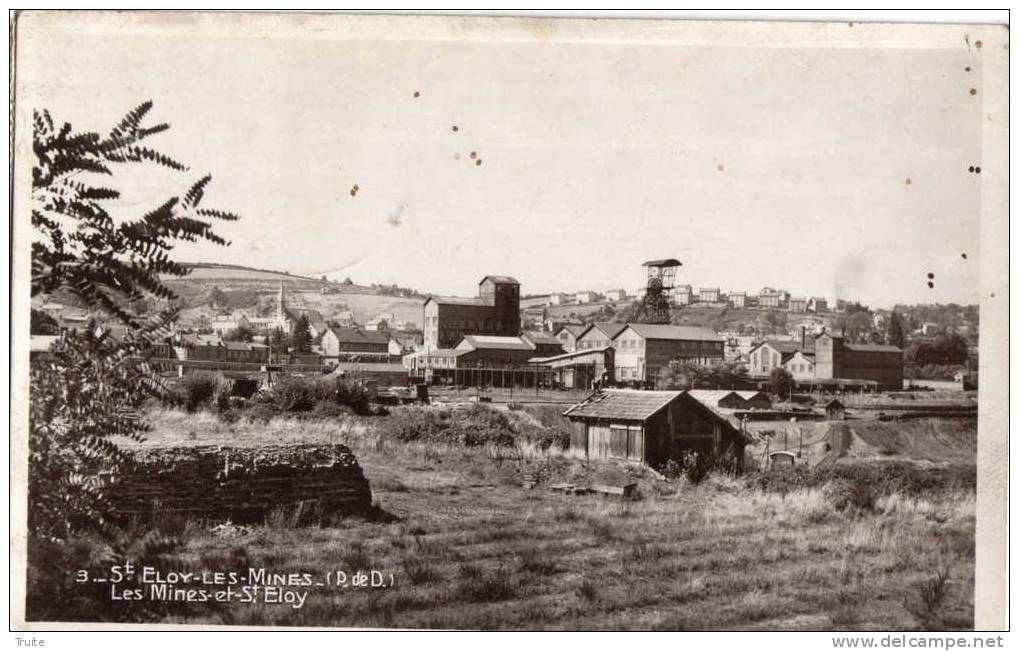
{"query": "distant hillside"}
{"type": "Point", "coordinates": [213, 271]}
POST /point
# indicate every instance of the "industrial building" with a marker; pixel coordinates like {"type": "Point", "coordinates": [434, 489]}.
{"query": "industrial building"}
{"type": "Point", "coordinates": [837, 359]}
{"type": "Point", "coordinates": [643, 350]}
{"type": "Point", "coordinates": [495, 312]}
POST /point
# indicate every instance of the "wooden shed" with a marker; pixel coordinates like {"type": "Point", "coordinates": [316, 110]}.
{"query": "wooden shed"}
{"type": "Point", "coordinates": [652, 427]}
{"type": "Point", "coordinates": [835, 410]}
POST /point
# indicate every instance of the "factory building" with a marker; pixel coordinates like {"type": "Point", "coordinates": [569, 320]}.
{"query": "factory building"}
{"type": "Point", "coordinates": [495, 312]}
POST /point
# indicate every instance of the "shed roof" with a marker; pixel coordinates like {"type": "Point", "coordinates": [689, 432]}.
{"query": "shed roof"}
{"type": "Point", "coordinates": [686, 333]}
{"type": "Point", "coordinates": [623, 404]}
{"type": "Point", "coordinates": [666, 262]}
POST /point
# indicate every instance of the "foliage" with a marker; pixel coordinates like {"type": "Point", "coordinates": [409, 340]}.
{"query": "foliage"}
{"type": "Point", "coordinates": [780, 381]}
{"type": "Point", "coordinates": [896, 336]}
{"type": "Point", "coordinates": [241, 333]}
{"type": "Point", "coordinates": [942, 350]}
{"type": "Point", "coordinates": [296, 394]}
{"type": "Point", "coordinates": [43, 324]}
{"type": "Point", "coordinates": [278, 343]}
{"type": "Point", "coordinates": [89, 388]}
{"type": "Point", "coordinates": [205, 388]}
{"type": "Point", "coordinates": [685, 375]}
{"type": "Point", "coordinates": [474, 426]}
{"type": "Point", "coordinates": [78, 245]}
{"type": "Point", "coordinates": [83, 394]}
{"type": "Point", "coordinates": [300, 336]}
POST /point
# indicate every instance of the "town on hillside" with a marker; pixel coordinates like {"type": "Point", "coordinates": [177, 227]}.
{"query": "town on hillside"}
{"type": "Point", "coordinates": [264, 323]}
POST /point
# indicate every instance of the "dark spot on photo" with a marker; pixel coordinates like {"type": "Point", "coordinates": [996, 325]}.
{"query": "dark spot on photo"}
{"type": "Point", "coordinates": [354, 190]}
{"type": "Point", "coordinates": [417, 93]}
{"type": "Point", "coordinates": [930, 275]}
{"type": "Point", "coordinates": [477, 162]}
{"type": "Point", "coordinates": [931, 285]}
{"type": "Point", "coordinates": [909, 181]}
{"type": "Point", "coordinates": [979, 44]}
{"type": "Point", "coordinates": [977, 169]}
{"type": "Point", "coordinates": [721, 168]}
{"type": "Point", "coordinates": [455, 128]}
{"type": "Point", "coordinates": [966, 68]}
{"type": "Point", "coordinates": [474, 155]}
{"type": "Point", "coordinates": [964, 256]}
{"type": "Point", "coordinates": [972, 91]}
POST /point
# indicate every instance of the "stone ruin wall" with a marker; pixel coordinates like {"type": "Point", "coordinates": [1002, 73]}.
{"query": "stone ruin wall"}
{"type": "Point", "coordinates": [241, 484]}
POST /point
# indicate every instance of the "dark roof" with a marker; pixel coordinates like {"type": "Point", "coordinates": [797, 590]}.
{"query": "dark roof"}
{"type": "Point", "coordinates": [505, 280]}
{"type": "Point", "coordinates": [242, 345]}
{"type": "Point", "coordinates": [574, 329]}
{"type": "Point", "coordinates": [621, 404]}
{"type": "Point", "coordinates": [609, 328]}
{"type": "Point", "coordinates": [355, 336]}
{"type": "Point", "coordinates": [541, 338]}
{"type": "Point", "coordinates": [639, 406]}
{"type": "Point", "coordinates": [456, 300]}
{"type": "Point", "coordinates": [686, 333]}
{"type": "Point", "coordinates": [787, 347]}
{"type": "Point", "coordinates": [872, 348]}
{"type": "Point", "coordinates": [834, 402]}
{"type": "Point", "coordinates": [667, 262]}
{"type": "Point", "coordinates": [313, 316]}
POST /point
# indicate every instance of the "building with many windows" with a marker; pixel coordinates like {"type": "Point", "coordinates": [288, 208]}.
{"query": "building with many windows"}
{"type": "Point", "coordinates": [643, 350]}
{"type": "Point", "coordinates": [495, 312]}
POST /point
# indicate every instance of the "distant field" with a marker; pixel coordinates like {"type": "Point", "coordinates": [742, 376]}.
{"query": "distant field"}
{"type": "Point", "coordinates": [471, 548]}
{"type": "Point", "coordinates": [204, 272]}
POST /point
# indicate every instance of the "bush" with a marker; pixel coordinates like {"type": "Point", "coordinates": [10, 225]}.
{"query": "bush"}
{"type": "Point", "coordinates": [471, 427]}
{"type": "Point", "coordinates": [205, 388]}
{"type": "Point", "coordinates": [879, 479]}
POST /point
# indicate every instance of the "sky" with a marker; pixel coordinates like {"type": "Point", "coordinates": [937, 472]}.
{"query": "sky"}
{"type": "Point", "coordinates": [837, 171]}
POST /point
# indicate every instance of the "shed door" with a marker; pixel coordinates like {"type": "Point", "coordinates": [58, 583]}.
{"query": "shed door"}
{"type": "Point", "coordinates": [633, 443]}
{"type": "Point", "coordinates": [598, 441]}
{"type": "Point", "coordinates": [618, 440]}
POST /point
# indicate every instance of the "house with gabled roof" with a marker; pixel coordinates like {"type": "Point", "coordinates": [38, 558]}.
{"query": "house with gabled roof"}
{"type": "Point", "coordinates": [599, 335]}
{"type": "Point", "coordinates": [567, 334]}
{"type": "Point", "coordinates": [643, 350]}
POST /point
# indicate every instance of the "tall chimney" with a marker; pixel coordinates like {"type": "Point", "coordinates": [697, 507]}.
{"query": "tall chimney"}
{"type": "Point", "coordinates": [803, 337]}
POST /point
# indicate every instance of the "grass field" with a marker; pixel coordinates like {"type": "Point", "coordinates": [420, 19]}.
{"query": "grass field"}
{"type": "Point", "coordinates": [470, 547]}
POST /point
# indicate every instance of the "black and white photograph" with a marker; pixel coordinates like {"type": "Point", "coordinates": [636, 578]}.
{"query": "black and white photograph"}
{"type": "Point", "coordinates": [502, 322]}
